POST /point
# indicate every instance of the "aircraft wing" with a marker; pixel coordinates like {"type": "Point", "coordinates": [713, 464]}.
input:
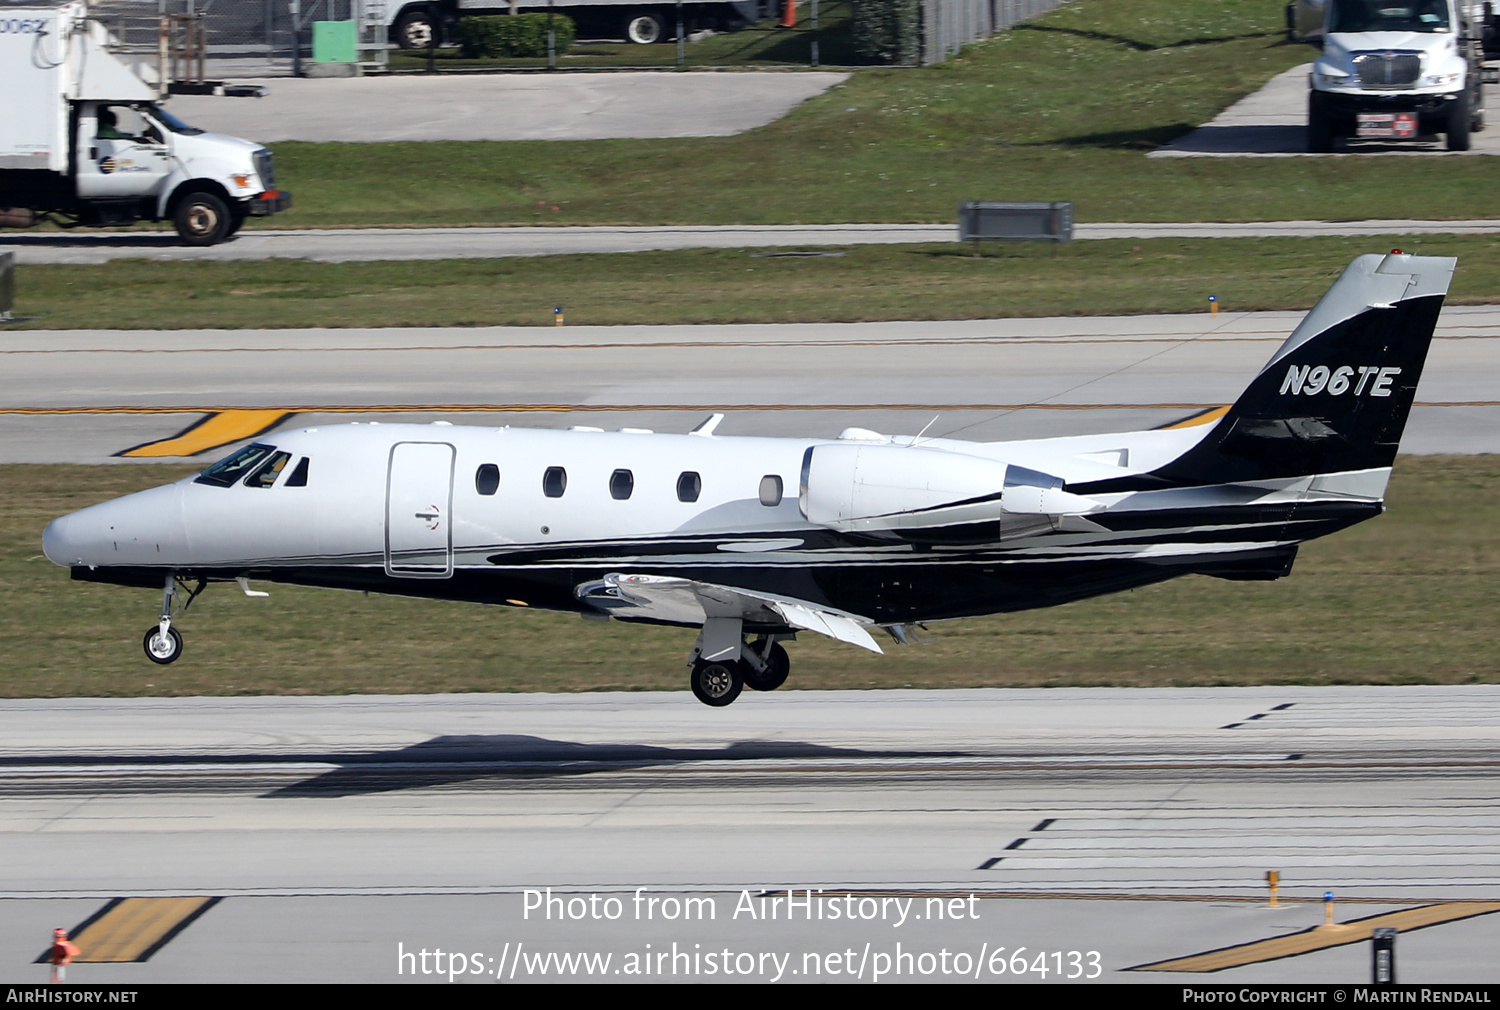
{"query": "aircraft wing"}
{"type": "Point", "coordinates": [687, 601]}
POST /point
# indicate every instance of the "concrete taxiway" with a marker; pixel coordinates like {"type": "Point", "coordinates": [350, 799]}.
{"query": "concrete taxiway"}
{"type": "Point", "coordinates": [1137, 824]}
{"type": "Point", "coordinates": [525, 106]}
{"type": "Point", "coordinates": [1272, 123]}
{"type": "Point", "coordinates": [351, 245]}
{"type": "Point", "coordinates": [86, 396]}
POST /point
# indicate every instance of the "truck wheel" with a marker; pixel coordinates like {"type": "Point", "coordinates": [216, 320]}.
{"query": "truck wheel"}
{"type": "Point", "coordinates": [201, 219]}
{"type": "Point", "coordinates": [1319, 129]}
{"type": "Point", "coordinates": [417, 30]}
{"type": "Point", "coordinates": [1458, 125]}
{"type": "Point", "coordinates": [645, 27]}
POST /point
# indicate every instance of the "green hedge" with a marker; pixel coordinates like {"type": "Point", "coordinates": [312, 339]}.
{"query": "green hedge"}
{"type": "Point", "coordinates": [888, 31]}
{"type": "Point", "coordinates": [514, 35]}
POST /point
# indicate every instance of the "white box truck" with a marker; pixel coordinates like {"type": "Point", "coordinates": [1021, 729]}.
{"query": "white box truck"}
{"type": "Point", "coordinates": [1393, 69]}
{"type": "Point", "coordinates": [84, 142]}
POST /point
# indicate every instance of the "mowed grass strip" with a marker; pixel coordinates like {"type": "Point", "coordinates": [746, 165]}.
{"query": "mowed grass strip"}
{"type": "Point", "coordinates": [947, 281]}
{"type": "Point", "coordinates": [1412, 597]}
{"type": "Point", "coordinates": [1062, 108]}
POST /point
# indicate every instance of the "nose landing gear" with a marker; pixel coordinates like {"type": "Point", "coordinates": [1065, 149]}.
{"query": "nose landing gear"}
{"type": "Point", "coordinates": [163, 643]}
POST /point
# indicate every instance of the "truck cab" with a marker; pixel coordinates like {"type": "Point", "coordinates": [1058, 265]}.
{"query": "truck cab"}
{"type": "Point", "coordinates": [1392, 70]}
{"type": "Point", "coordinates": [135, 160]}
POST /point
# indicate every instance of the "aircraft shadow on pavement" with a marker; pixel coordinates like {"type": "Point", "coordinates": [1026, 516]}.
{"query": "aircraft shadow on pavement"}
{"type": "Point", "coordinates": [449, 759]}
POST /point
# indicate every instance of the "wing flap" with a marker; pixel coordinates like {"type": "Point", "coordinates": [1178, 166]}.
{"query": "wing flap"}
{"type": "Point", "coordinates": [688, 601]}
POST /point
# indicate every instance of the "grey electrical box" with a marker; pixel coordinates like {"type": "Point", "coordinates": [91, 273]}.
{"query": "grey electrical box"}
{"type": "Point", "coordinates": [1015, 221]}
{"type": "Point", "coordinates": [7, 284]}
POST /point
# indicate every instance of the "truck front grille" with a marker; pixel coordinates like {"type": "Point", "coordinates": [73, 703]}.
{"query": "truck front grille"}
{"type": "Point", "coordinates": [1388, 71]}
{"type": "Point", "coordinates": [264, 169]}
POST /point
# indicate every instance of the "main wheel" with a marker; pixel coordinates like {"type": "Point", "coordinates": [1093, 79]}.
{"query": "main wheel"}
{"type": "Point", "coordinates": [162, 650]}
{"type": "Point", "coordinates": [201, 219]}
{"type": "Point", "coordinates": [1319, 129]}
{"type": "Point", "coordinates": [645, 27]}
{"type": "Point", "coordinates": [1459, 124]}
{"type": "Point", "coordinates": [717, 684]}
{"type": "Point", "coordinates": [778, 665]}
{"type": "Point", "coordinates": [417, 30]}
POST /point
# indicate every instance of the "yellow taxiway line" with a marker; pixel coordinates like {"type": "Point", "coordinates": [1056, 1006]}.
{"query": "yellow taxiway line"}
{"type": "Point", "coordinates": [1321, 937]}
{"type": "Point", "coordinates": [132, 929]}
{"type": "Point", "coordinates": [216, 429]}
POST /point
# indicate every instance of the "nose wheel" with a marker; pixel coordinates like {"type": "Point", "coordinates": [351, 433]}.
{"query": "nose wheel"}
{"type": "Point", "coordinates": [163, 643]}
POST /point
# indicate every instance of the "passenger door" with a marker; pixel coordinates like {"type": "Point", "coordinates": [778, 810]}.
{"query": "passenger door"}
{"type": "Point", "coordinates": [419, 511]}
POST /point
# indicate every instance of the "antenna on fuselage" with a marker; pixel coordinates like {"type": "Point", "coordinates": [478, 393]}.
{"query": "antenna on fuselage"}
{"type": "Point", "coordinates": [707, 427]}
{"type": "Point", "coordinates": [918, 438]}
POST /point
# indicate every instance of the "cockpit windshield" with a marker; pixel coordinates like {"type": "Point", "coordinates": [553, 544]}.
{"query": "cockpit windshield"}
{"type": "Point", "coordinates": [1387, 16]}
{"type": "Point", "coordinates": [231, 468]}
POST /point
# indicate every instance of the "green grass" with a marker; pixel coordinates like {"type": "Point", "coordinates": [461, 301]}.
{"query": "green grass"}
{"type": "Point", "coordinates": [728, 286]}
{"type": "Point", "coordinates": [1412, 597]}
{"type": "Point", "coordinates": [1063, 108]}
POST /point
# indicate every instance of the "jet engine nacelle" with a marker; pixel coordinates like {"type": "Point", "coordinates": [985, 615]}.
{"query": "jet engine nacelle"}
{"type": "Point", "coordinates": [931, 495]}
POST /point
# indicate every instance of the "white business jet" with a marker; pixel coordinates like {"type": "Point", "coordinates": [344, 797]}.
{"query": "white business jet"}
{"type": "Point", "coordinates": [754, 540]}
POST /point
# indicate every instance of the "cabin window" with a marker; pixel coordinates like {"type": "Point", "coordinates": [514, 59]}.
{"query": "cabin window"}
{"type": "Point", "coordinates": [266, 475]}
{"type": "Point", "coordinates": [689, 486]}
{"type": "Point", "coordinates": [554, 482]}
{"type": "Point", "coordinates": [770, 490]}
{"type": "Point", "coordinates": [231, 468]}
{"type": "Point", "coordinates": [621, 483]}
{"type": "Point", "coordinates": [299, 475]}
{"type": "Point", "coordinates": [487, 478]}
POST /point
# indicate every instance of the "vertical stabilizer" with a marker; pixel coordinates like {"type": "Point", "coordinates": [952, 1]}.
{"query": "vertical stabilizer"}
{"type": "Point", "coordinates": [1336, 395]}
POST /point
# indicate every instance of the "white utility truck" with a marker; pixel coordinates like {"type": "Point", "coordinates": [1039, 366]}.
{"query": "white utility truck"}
{"type": "Point", "coordinates": [1393, 69]}
{"type": "Point", "coordinates": [84, 142]}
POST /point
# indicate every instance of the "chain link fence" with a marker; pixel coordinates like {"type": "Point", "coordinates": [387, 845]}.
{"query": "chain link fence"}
{"type": "Point", "coordinates": [229, 39]}
{"type": "Point", "coordinates": [241, 38]}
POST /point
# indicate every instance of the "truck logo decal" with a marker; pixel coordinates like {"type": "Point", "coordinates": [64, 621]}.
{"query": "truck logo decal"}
{"type": "Point", "coordinates": [106, 165]}
{"type": "Point", "coordinates": [1310, 380]}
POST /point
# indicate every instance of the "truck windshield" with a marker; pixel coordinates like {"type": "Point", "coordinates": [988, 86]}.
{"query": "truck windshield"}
{"type": "Point", "coordinates": [1386, 16]}
{"type": "Point", "coordinates": [172, 123]}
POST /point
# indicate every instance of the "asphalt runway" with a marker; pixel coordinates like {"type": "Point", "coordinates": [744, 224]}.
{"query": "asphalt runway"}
{"type": "Point", "coordinates": [524, 106]}
{"type": "Point", "coordinates": [351, 245]}
{"type": "Point", "coordinates": [86, 396]}
{"type": "Point", "coordinates": [1136, 825]}
{"type": "Point", "coordinates": [1272, 123]}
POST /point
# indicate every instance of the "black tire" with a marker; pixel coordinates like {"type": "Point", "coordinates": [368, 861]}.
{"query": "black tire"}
{"type": "Point", "coordinates": [201, 219]}
{"type": "Point", "coordinates": [159, 651]}
{"type": "Point", "coordinates": [717, 684]}
{"type": "Point", "coordinates": [644, 28]}
{"type": "Point", "coordinates": [778, 665]}
{"type": "Point", "coordinates": [418, 30]}
{"type": "Point", "coordinates": [1319, 129]}
{"type": "Point", "coordinates": [237, 218]}
{"type": "Point", "coordinates": [1459, 122]}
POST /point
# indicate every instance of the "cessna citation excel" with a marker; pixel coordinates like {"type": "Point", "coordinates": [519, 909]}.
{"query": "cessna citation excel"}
{"type": "Point", "coordinates": [756, 539]}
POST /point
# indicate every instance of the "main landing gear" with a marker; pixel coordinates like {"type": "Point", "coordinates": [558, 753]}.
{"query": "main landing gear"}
{"type": "Point", "coordinates": [761, 665]}
{"type": "Point", "coordinates": [163, 643]}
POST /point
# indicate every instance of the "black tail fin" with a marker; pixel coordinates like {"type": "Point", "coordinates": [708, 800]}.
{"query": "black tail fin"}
{"type": "Point", "coordinates": [1336, 396]}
